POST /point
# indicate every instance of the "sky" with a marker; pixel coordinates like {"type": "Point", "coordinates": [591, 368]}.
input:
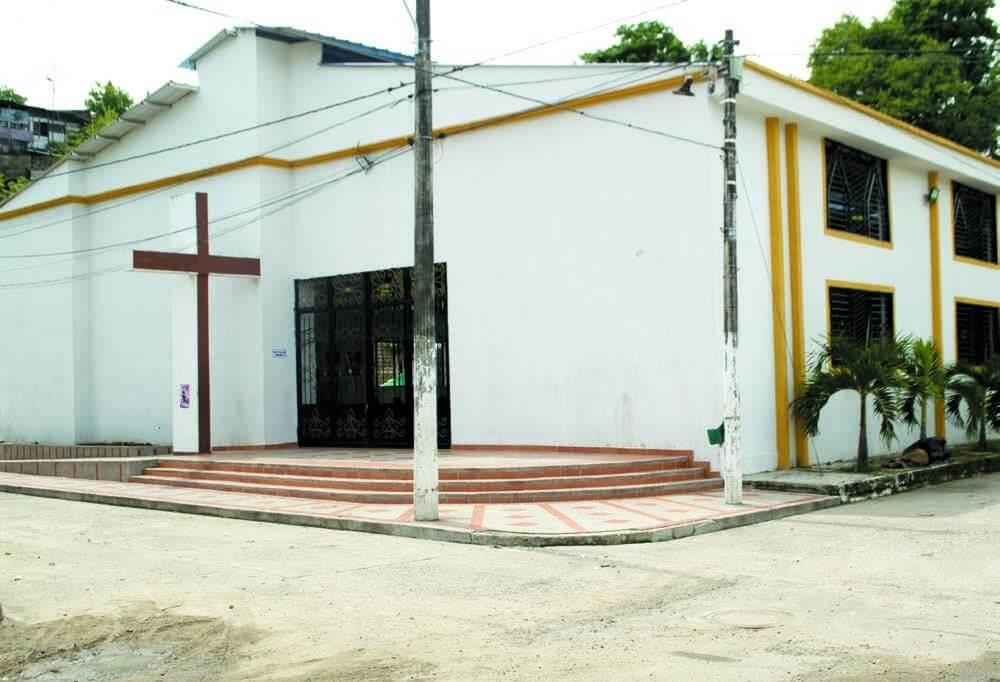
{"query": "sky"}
{"type": "Point", "coordinates": [137, 44]}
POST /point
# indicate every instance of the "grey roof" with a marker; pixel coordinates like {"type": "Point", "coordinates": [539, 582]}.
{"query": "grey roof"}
{"type": "Point", "coordinates": [336, 50]}
{"type": "Point", "coordinates": [163, 98]}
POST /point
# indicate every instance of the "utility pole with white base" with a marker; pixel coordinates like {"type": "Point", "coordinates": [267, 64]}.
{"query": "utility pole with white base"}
{"type": "Point", "coordinates": [732, 456]}
{"type": "Point", "coordinates": [425, 465]}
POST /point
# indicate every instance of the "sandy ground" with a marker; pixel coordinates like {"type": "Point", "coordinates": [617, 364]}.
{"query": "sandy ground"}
{"type": "Point", "coordinates": [904, 588]}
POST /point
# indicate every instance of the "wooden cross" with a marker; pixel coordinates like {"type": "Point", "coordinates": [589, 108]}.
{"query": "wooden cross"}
{"type": "Point", "coordinates": [203, 264]}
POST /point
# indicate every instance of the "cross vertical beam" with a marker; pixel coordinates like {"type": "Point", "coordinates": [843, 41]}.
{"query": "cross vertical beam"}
{"type": "Point", "coordinates": [204, 367]}
{"type": "Point", "coordinates": [201, 264]}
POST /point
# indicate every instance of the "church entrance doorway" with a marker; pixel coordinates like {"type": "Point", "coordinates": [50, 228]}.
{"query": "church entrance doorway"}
{"type": "Point", "coordinates": [355, 357]}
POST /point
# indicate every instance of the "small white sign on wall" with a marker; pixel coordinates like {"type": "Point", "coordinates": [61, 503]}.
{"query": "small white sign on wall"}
{"type": "Point", "coordinates": [279, 352]}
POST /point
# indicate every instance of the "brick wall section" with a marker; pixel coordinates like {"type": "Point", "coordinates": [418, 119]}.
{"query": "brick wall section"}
{"type": "Point", "coordinates": [92, 468]}
{"type": "Point", "coordinates": [17, 451]}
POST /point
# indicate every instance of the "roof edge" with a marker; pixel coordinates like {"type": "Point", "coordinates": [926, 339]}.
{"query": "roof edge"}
{"type": "Point", "coordinates": [831, 96]}
{"type": "Point", "coordinates": [212, 43]}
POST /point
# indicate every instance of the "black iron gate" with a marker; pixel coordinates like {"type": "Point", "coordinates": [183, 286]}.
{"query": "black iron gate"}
{"type": "Point", "coordinates": [355, 358]}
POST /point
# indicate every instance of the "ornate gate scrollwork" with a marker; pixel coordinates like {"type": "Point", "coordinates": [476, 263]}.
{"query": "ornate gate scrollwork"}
{"type": "Point", "coordinates": [355, 355]}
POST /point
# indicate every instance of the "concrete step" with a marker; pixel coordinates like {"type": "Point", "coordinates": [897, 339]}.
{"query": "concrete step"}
{"type": "Point", "coordinates": [493, 496]}
{"type": "Point", "coordinates": [405, 485]}
{"type": "Point", "coordinates": [383, 472]}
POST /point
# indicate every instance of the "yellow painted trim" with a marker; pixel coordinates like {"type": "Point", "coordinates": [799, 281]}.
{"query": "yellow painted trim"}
{"type": "Point", "coordinates": [859, 286]}
{"type": "Point", "coordinates": [937, 322]}
{"type": "Point", "coordinates": [795, 276]}
{"type": "Point", "coordinates": [977, 301]}
{"type": "Point", "coordinates": [849, 236]}
{"type": "Point", "coordinates": [773, 137]}
{"type": "Point", "coordinates": [42, 205]}
{"type": "Point", "coordinates": [871, 113]}
{"type": "Point", "coordinates": [350, 152]}
{"type": "Point", "coordinates": [860, 239]}
{"type": "Point", "coordinates": [965, 260]}
{"type": "Point", "coordinates": [996, 225]}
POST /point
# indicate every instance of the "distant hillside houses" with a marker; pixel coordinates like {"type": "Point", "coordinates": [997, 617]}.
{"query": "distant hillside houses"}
{"type": "Point", "coordinates": [27, 134]}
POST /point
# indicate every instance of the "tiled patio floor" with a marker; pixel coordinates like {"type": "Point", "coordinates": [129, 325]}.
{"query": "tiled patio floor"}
{"type": "Point", "coordinates": [563, 518]}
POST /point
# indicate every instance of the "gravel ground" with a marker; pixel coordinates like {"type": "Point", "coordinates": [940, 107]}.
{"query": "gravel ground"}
{"type": "Point", "coordinates": [903, 588]}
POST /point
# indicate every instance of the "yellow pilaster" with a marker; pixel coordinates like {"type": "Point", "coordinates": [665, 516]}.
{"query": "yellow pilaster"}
{"type": "Point", "coordinates": [773, 129]}
{"type": "Point", "coordinates": [937, 324]}
{"type": "Point", "coordinates": [795, 275]}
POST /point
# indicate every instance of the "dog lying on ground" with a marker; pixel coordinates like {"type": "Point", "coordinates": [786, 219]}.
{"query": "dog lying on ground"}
{"type": "Point", "coordinates": [920, 454]}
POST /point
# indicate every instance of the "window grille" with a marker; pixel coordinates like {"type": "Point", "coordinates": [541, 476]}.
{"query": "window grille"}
{"type": "Point", "coordinates": [861, 316]}
{"type": "Point", "coordinates": [857, 198]}
{"type": "Point", "coordinates": [975, 223]}
{"type": "Point", "coordinates": [978, 328]}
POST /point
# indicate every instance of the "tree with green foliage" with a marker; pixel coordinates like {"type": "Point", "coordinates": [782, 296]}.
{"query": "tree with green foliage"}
{"type": "Point", "coordinates": [974, 397]}
{"type": "Point", "coordinates": [105, 102]}
{"type": "Point", "coordinates": [105, 98]}
{"type": "Point", "coordinates": [11, 95]}
{"type": "Point", "coordinates": [650, 41]}
{"type": "Point", "coordinates": [9, 188]}
{"type": "Point", "coordinates": [931, 63]}
{"type": "Point", "coordinates": [875, 369]}
{"type": "Point", "coordinates": [924, 381]}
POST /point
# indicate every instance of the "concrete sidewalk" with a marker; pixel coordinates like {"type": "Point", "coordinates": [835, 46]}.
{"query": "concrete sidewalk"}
{"type": "Point", "coordinates": [598, 522]}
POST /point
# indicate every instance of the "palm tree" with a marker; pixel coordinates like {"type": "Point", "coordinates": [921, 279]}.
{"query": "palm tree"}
{"type": "Point", "coordinates": [976, 388]}
{"type": "Point", "coordinates": [874, 369]}
{"type": "Point", "coordinates": [925, 379]}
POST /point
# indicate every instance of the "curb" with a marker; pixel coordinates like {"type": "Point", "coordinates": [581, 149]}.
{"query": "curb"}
{"type": "Point", "coordinates": [438, 532]}
{"type": "Point", "coordinates": [887, 484]}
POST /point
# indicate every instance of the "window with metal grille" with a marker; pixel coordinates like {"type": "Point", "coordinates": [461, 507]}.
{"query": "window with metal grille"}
{"type": "Point", "coordinates": [857, 198]}
{"type": "Point", "coordinates": [975, 223]}
{"type": "Point", "coordinates": [978, 328]}
{"type": "Point", "coordinates": [859, 315]}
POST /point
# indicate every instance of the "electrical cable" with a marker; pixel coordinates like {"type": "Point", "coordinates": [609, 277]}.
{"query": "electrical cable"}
{"type": "Point", "coordinates": [351, 100]}
{"type": "Point", "coordinates": [24, 230]}
{"type": "Point", "coordinates": [595, 117]}
{"type": "Point", "coordinates": [288, 198]}
{"type": "Point", "coordinates": [144, 195]}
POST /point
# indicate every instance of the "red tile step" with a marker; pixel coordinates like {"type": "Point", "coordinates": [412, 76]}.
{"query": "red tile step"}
{"type": "Point", "coordinates": [382, 472]}
{"type": "Point", "coordinates": [446, 485]}
{"type": "Point", "coordinates": [490, 496]}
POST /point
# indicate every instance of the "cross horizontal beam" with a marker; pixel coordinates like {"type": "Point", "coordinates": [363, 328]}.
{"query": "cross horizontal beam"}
{"type": "Point", "coordinates": [195, 263]}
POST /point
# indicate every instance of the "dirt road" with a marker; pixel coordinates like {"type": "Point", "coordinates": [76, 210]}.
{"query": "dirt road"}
{"type": "Point", "coordinates": [902, 588]}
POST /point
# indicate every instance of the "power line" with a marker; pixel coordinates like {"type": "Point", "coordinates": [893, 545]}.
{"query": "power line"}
{"type": "Point", "coordinates": [107, 247]}
{"type": "Point", "coordinates": [581, 32]}
{"type": "Point", "coordinates": [25, 230]}
{"type": "Point", "coordinates": [351, 100]}
{"type": "Point", "coordinates": [510, 53]}
{"type": "Point", "coordinates": [595, 117]}
{"type": "Point", "coordinates": [409, 13]}
{"type": "Point", "coordinates": [267, 151]}
{"type": "Point", "coordinates": [230, 133]}
{"type": "Point", "coordinates": [208, 10]}
{"type": "Point", "coordinates": [284, 119]}
{"type": "Point", "coordinates": [290, 199]}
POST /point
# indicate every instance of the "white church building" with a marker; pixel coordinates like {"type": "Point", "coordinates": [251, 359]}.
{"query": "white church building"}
{"type": "Point", "coordinates": [577, 223]}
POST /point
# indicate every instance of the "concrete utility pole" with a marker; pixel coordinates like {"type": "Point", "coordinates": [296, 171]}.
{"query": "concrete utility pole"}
{"type": "Point", "coordinates": [425, 467]}
{"type": "Point", "coordinates": [732, 456]}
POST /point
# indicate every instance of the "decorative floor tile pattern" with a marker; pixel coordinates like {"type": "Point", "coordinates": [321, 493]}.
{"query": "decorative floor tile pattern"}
{"type": "Point", "coordinates": [524, 518]}
{"type": "Point", "coordinates": [403, 459]}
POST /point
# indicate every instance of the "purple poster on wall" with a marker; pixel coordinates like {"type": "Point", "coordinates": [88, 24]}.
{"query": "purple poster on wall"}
{"type": "Point", "coordinates": [185, 395]}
